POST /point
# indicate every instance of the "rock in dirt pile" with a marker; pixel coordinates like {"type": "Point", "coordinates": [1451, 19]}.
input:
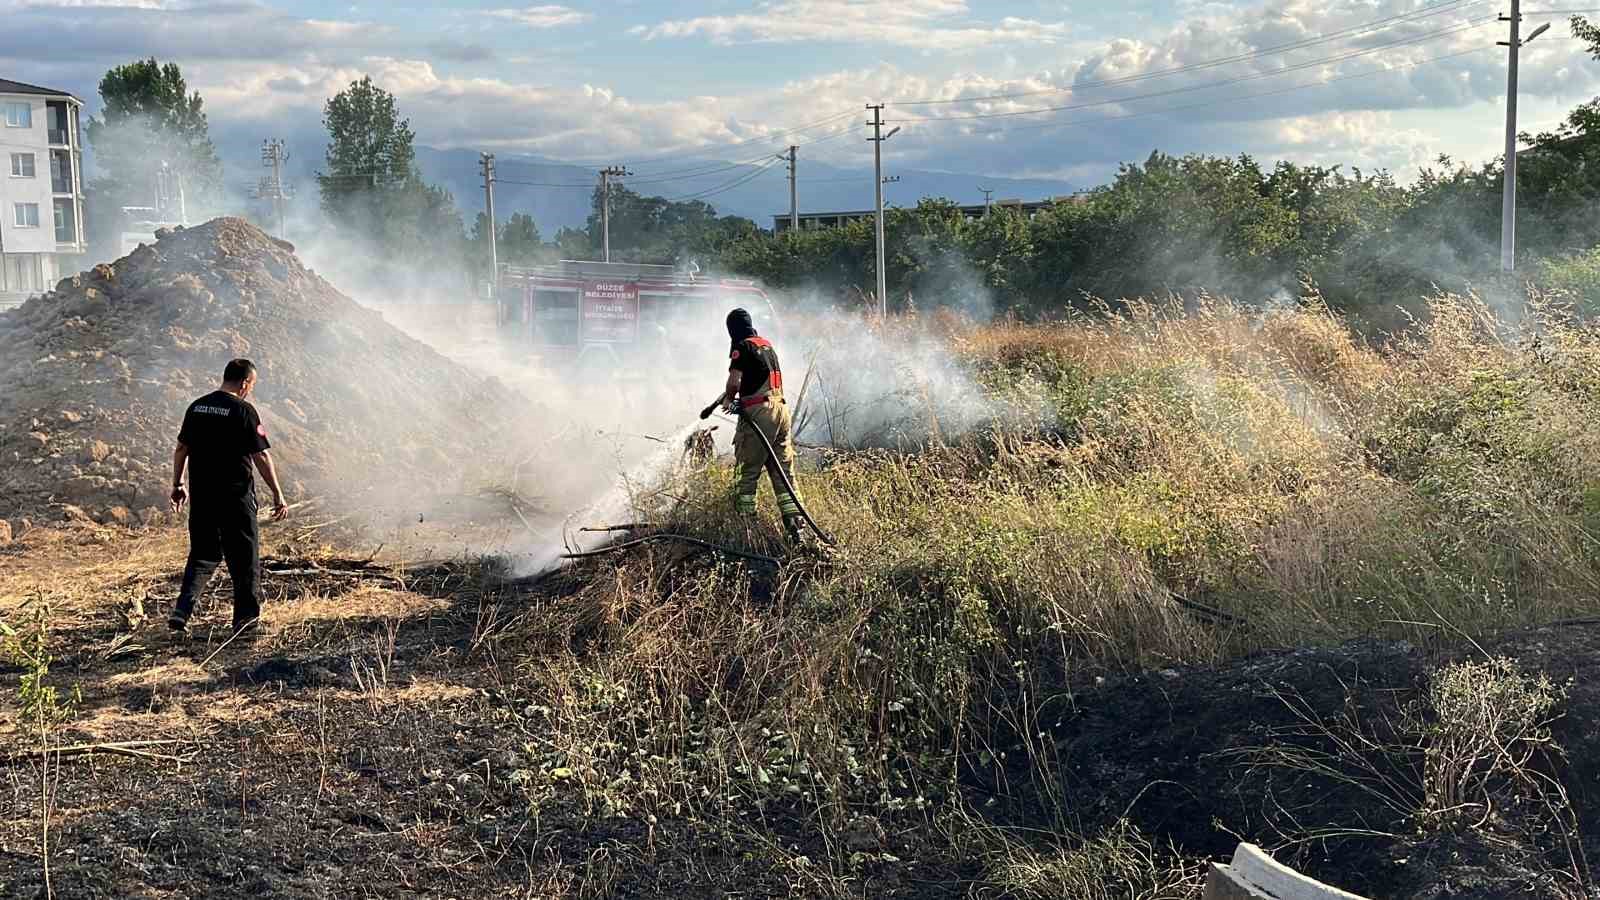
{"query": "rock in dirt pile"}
{"type": "Point", "coordinates": [95, 376]}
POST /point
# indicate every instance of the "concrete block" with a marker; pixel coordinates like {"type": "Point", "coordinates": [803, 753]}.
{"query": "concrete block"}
{"type": "Point", "coordinates": [1254, 875]}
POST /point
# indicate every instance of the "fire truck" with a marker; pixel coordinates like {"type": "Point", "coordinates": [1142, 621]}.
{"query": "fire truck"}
{"type": "Point", "coordinates": [602, 314]}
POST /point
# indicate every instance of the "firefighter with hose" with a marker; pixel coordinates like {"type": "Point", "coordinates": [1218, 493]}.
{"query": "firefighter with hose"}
{"type": "Point", "coordinates": [754, 392]}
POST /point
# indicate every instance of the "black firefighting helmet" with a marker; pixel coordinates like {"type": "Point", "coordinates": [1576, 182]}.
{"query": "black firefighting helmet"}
{"type": "Point", "coordinates": [740, 325]}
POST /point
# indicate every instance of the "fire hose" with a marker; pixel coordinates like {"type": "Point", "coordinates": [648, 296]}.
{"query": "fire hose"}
{"type": "Point", "coordinates": [772, 454]}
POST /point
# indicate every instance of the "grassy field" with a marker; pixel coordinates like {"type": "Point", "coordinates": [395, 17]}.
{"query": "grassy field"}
{"type": "Point", "coordinates": [1243, 553]}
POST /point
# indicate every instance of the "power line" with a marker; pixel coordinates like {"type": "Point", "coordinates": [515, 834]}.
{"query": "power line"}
{"type": "Point", "coordinates": [723, 188]}
{"type": "Point", "coordinates": [1254, 76]}
{"type": "Point", "coordinates": [777, 135]}
{"type": "Point", "coordinates": [1233, 99]}
{"type": "Point", "coordinates": [499, 180]}
{"type": "Point", "coordinates": [698, 171]}
{"type": "Point", "coordinates": [690, 172]}
{"type": "Point", "coordinates": [1329, 37]}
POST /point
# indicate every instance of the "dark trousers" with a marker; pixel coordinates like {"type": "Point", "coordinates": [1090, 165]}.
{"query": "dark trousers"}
{"type": "Point", "coordinates": [224, 529]}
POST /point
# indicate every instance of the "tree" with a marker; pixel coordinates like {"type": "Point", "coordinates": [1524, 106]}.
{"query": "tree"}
{"type": "Point", "coordinates": [369, 151]}
{"type": "Point", "coordinates": [1589, 33]}
{"type": "Point", "coordinates": [149, 116]}
{"type": "Point", "coordinates": [372, 188]}
{"type": "Point", "coordinates": [520, 244]}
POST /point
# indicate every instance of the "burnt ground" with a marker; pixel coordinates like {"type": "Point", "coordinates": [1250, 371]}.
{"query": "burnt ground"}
{"type": "Point", "coordinates": [370, 744]}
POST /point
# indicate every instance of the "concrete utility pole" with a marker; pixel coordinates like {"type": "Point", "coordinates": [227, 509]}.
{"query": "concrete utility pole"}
{"type": "Point", "coordinates": [877, 139]}
{"type": "Point", "coordinates": [486, 162]}
{"type": "Point", "coordinates": [987, 194]}
{"type": "Point", "coordinates": [794, 204]}
{"type": "Point", "coordinates": [606, 175]}
{"type": "Point", "coordinates": [1508, 202]}
{"type": "Point", "coordinates": [273, 155]}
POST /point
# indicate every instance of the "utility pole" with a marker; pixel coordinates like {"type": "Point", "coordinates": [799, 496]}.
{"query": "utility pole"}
{"type": "Point", "coordinates": [794, 204]}
{"type": "Point", "coordinates": [486, 163]}
{"type": "Point", "coordinates": [877, 139]}
{"type": "Point", "coordinates": [273, 155]}
{"type": "Point", "coordinates": [1508, 202]}
{"type": "Point", "coordinates": [606, 175]}
{"type": "Point", "coordinates": [987, 194]}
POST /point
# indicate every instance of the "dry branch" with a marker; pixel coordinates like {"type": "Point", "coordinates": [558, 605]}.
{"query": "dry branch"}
{"type": "Point", "coordinates": [121, 748]}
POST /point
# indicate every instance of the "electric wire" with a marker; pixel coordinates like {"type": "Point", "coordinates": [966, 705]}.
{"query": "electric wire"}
{"type": "Point", "coordinates": [543, 184]}
{"type": "Point", "coordinates": [743, 179]}
{"type": "Point", "coordinates": [689, 173]}
{"type": "Point", "coordinates": [702, 149]}
{"type": "Point", "coordinates": [1231, 99]}
{"type": "Point", "coordinates": [1238, 79]}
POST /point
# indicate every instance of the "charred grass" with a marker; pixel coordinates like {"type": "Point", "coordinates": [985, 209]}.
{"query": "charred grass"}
{"type": "Point", "coordinates": [1205, 574]}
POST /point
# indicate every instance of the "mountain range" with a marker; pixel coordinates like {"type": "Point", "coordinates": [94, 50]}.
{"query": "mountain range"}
{"type": "Point", "coordinates": [558, 194]}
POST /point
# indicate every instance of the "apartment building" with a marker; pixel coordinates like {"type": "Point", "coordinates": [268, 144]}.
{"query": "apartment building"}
{"type": "Point", "coordinates": [41, 188]}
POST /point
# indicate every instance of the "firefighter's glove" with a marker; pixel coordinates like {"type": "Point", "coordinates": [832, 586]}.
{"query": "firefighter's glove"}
{"type": "Point", "coordinates": [730, 406]}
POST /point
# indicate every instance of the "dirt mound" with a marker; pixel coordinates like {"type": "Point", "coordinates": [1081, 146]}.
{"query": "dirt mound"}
{"type": "Point", "coordinates": [95, 376]}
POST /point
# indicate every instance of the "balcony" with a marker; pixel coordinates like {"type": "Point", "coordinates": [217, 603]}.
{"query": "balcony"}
{"type": "Point", "coordinates": [58, 123]}
{"type": "Point", "coordinates": [61, 172]}
{"type": "Point", "coordinates": [66, 223]}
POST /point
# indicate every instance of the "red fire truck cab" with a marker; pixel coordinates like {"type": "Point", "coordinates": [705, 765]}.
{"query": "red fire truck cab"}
{"type": "Point", "coordinates": [602, 313]}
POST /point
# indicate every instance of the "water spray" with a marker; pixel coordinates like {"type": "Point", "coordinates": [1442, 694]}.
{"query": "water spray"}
{"type": "Point", "coordinates": [788, 485]}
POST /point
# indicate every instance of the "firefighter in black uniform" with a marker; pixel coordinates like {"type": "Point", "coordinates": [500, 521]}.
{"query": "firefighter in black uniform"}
{"type": "Point", "coordinates": [222, 437]}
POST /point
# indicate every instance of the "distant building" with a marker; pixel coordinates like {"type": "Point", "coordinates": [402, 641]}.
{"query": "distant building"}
{"type": "Point", "coordinates": [41, 187]}
{"type": "Point", "coordinates": [1029, 208]}
{"type": "Point", "coordinates": [1578, 142]}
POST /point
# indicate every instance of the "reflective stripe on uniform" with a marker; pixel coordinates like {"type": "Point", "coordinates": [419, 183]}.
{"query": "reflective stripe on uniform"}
{"type": "Point", "coordinates": [745, 504]}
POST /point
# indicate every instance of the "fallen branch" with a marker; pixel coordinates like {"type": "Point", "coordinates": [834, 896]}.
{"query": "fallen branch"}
{"type": "Point", "coordinates": [626, 545]}
{"type": "Point", "coordinates": [266, 516]}
{"type": "Point", "coordinates": [121, 748]}
{"type": "Point", "coordinates": [1209, 615]}
{"type": "Point", "coordinates": [525, 523]}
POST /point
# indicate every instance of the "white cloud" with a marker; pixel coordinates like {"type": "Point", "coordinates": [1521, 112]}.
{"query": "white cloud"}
{"type": "Point", "coordinates": [925, 24]}
{"type": "Point", "coordinates": [263, 72]}
{"type": "Point", "coordinates": [543, 16]}
{"type": "Point", "coordinates": [94, 4]}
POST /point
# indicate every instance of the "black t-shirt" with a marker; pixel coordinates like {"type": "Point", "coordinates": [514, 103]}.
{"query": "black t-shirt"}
{"type": "Point", "coordinates": [221, 431]}
{"type": "Point", "coordinates": [755, 361]}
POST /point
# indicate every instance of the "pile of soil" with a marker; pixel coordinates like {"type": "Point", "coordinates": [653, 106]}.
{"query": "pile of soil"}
{"type": "Point", "coordinates": [95, 377]}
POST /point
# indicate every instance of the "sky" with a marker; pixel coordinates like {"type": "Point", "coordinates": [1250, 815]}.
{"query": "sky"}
{"type": "Point", "coordinates": [1073, 88]}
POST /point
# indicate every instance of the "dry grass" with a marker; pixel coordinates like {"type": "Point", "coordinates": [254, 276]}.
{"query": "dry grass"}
{"type": "Point", "coordinates": [1310, 487]}
{"type": "Point", "coordinates": [1270, 464]}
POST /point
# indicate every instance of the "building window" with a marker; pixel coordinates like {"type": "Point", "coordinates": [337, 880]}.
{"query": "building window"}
{"type": "Point", "coordinates": [60, 172]}
{"type": "Point", "coordinates": [19, 115]}
{"type": "Point", "coordinates": [22, 272]}
{"type": "Point", "coordinates": [55, 120]}
{"type": "Point", "coordinates": [22, 165]}
{"type": "Point", "coordinates": [27, 215]}
{"type": "Point", "coordinates": [66, 226]}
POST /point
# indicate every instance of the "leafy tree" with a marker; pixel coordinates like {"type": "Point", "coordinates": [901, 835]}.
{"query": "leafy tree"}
{"type": "Point", "coordinates": [369, 152]}
{"type": "Point", "coordinates": [372, 187]}
{"type": "Point", "coordinates": [1588, 32]}
{"type": "Point", "coordinates": [519, 243]}
{"type": "Point", "coordinates": [658, 230]}
{"type": "Point", "coordinates": [149, 116]}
